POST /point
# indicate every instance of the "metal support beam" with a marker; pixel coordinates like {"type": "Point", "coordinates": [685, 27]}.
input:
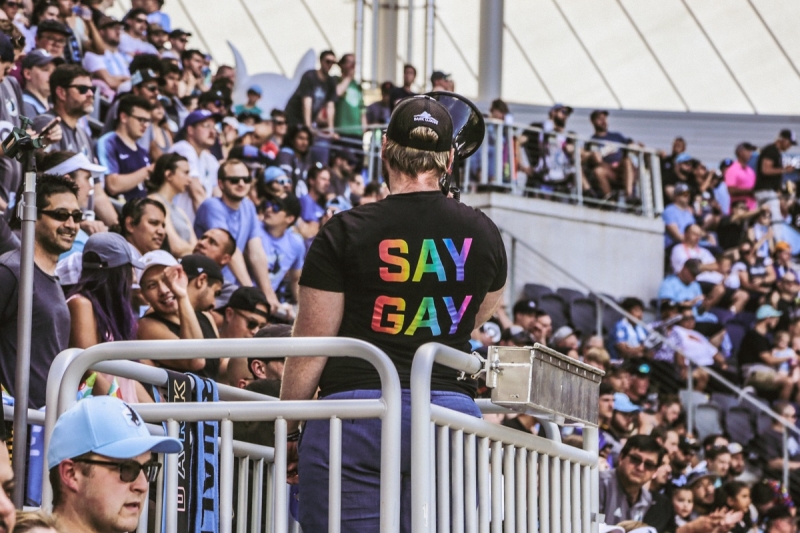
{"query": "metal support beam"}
{"type": "Point", "coordinates": [387, 40]}
{"type": "Point", "coordinates": [359, 42]}
{"type": "Point", "coordinates": [430, 21]}
{"type": "Point", "coordinates": [490, 55]}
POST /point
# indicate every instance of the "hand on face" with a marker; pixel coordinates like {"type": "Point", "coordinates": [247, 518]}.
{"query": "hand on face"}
{"type": "Point", "coordinates": [177, 281]}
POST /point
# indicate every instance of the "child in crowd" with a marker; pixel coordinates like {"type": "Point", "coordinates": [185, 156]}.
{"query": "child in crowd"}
{"type": "Point", "coordinates": [682, 503]}
{"type": "Point", "coordinates": [735, 496]}
{"type": "Point", "coordinates": [783, 352]}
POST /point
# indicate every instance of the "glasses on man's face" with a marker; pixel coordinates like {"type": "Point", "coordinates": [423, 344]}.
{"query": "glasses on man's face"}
{"type": "Point", "coordinates": [144, 121]}
{"type": "Point", "coordinates": [83, 89]}
{"type": "Point", "coordinates": [61, 41]}
{"type": "Point", "coordinates": [129, 470]}
{"type": "Point", "coordinates": [328, 61]}
{"type": "Point", "coordinates": [279, 122]}
{"type": "Point", "coordinates": [151, 88]}
{"type": "Point", "coordinates": [236, 180]}
{"type": "Point", "coordinates": [62, 215]}
{"type": "Point", "coordinates": [140, 20]}
{"type": "Point", "coordinates": [14, 5]}
{"type": "Point", "coordinates": [274, 206]}
{"type": "Point", "coordinates": [638, 460]}
{"type": "Point", "coordinates": [251, 322]}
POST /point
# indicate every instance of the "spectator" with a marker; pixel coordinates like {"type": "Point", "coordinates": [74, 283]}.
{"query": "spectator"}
{"type": "Point", "coordinates": [157, 36]}
{"type": "Point", "coordinates": [622, 493]}
{"type": "Point", "coordinates": [780, 520]}
{"type": "Point", "coordinates": [142, 225]}
{"type": "Point", "coordinates": [598, 358]}
{"type": "Point", "coordinates": [342, 168]}
{"type": "Point", "coordinates": [737, 464]}
{"type": "Point", "coordinates": [685, 291]}
{"type": "Point", "coordinates": [200, 134]}
{"type": "Point", "coordinates": [718, 460]}
{"type": "Point", "coordinates": [72, 93]}
{"type": "Point", "coordinates": [770, 170]}
{"type": "Point", "coordinates": [630, 336]}
{"type": "Point", "coordinates": [295, 156]}
{"type": "Point", "coordinates": [380, 111]}
{"type": "Point", "coordinates": [100, 305]}
{"type": "Point", "coordinates": [758, 364]}
{"type": "Point", "coordinates": [254, 93]}
{"type": "Point", "coordinates": [605, 406]}
{"type": "Point", "coordinates": [180, 300]}
{"type": "Point", "coordinates": [769, 444]}
{"type": "Point", "coordinates": [355, 190]}
{"type": "Point", "coordinates": [145, 85]}
{"type": "Point", "coordinates": [133, 40]}
{"type": "Point", "coordinates": [702, 484]}
{"type": "Point", "coordinates": [169, 88]}
{"type": "Point", "coordinates": [621, 425]}
{"type": "Point", "coordinates": [542, 327]}
{"type": "Point", "coordinates": [525, 314]}
{"type": "Point", "coordinates": [614, 166]}
{"type": "Point", "coordinates": [97, 479]}
{"type": "Point", "coordinates": [279, 128]}
{"type": "Point", "coordinates": [171, 177]}
{"type": "Point", "coordinates": [639, 382]}
{"type": "Point", "coordinates": [111, 67]}
{"type": "Point", "coordinates": [275, 183]}
{"type": "Point", "coordinates": [683, 504]}
{"type": "Point", "coordinates": [52, 35]}
{"type": "Point", "coordinates": [155, 15]}
{"type": "Point", "coordinates": [399, 93]}
{"type": "Point", "coordinates": [677, 216]}
{"type": "Point", "coordinates": [784, 298]}
{"type": "Point", "coordinates": [316, 92]}
{"type": "Point", "coordinates": [440, 81]}
{"type": "Point", "coordinates": [178, 39]}
{"type": "Point", "coordinates": [740, 178]}
{"type": "Point", "coordinates": [194, 72]}
{"type": "Point", "coordinates": [218, 245]}
{"type": "Point", "coordinates": [374, 192]}
{"type": "Point", "coordinates": [782, 261]}
{"type": "Point", "coordinates": [35, 522]}
{"type": "Point", "coordinates": [128, 164]}
{"type": "Point", "coordinates": [284, 248]}
{"type": "Point", "coordinates": [246, 313]}
{"type": "Point", "coordinates": [42, 10]}
{"type": "Point", "coordinates": [56, 226]}
{"type": "Point", "coordinates": [668, 164]}
{"type": "Point", "coordinates": [565, 341]}
{"type": "Point", "coordinates": [37, 67]}
{"type": "Point", "coordinates": [312, 205]}
{"type": "Point", "coordinates": [11, 94]}
{"type": "Point", "coordinates": [83, 33]}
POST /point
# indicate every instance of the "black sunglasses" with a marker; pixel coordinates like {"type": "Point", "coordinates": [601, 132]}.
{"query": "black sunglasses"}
{"type": "Point", "coordinates": [83, 89]}
{"type": "Point", "coordinates": [62, 215]}
{"type": "Point", "coordinates": [251, 323]}
{"type": "Point", "coordinates": [272, 204]}
{"type": "Point", "coordinates": [236, 180]}
{"type": "Point", "coordinates": [151, 88]}
{"type": "Point", "coordinates": [129, 470]}
{"type": "Point", "coordinates": [637, 460]}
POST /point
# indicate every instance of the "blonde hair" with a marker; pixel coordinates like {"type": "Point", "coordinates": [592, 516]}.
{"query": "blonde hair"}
{"type": "Point", "coordinates": [411, 161]}
{"type": "Point", "coordinates": [29, 520]}
{"type": "Point", "coordinates": [599, 356]}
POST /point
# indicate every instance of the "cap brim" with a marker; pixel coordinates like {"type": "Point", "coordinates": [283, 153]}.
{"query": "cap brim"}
{"type": "Point", "coordinates": [136, 263]}
{"type": "Point", "coordinates": [130, 448]}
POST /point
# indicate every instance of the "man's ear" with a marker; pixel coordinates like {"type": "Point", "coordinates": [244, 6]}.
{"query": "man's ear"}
{"type": "Point", "coordinates": [259, 369]}
{"type": "Point", "coordinates": [68, 472]}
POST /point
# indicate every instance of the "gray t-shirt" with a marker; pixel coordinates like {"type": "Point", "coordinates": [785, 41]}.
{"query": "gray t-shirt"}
{"type": "Point", "coordinates": [51, 324]}
{"type": "Point", "coordinates": [614, 502]}
{"type": "Point", "coordinates": [10, 109]}
{"type": "Point", "coordinates": [75, 140]}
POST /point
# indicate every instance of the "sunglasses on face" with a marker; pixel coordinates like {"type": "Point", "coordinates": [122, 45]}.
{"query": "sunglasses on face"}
{"type": "Point", "coordinates": [14, 5]}
{"type": "Point", "coordinates": [279, 122]}
{"type": "Point", "coordinates": [275, 206]}
{"type": "Point", "coordinates": [251, 323]}
{"type": "Point", "coordinates": [236, 180]}
{"type": "Point", "coordinates": [83, 89]}
{"type": "Point", "coordinates": [62, 215]}
{"type": "Point", "coordinates": [151, 88]}
{"type": "Point", "coordinates": [637, 461]}
{"type": "Point", "coordinates": [129, 470]}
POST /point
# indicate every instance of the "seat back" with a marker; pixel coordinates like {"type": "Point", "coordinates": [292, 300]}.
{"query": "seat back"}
{"type": "Point", "coordinates": [569, 295]}
{"type": "Point", "coordinates": [739, 424]}
{"type": "Point", "coordinates": [583, 315]}
{"type": "Point", "coordinates": [534, 291]}
{"type": "Point", "coordinates": [707, 420]}
{"type": "Point", "coordinates": [554, 305]}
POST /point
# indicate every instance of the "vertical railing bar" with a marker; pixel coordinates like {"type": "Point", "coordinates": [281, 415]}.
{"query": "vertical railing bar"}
{"type": "Point", "coordinates": [485, 158]}
{"type": "Point", "coordinates": [576, 498]}
{"type": "Point", "coordinates": [578, 172]}
{"type": "Point", "coordinates": [533, 492]}
{"type": "Point", "coordinates": [498, 153]}
{"type": "Point", "coordinates": [497, 487]}
{"type": "Point", "coordinates": [443, 478]}
{"type": "Point", "coordinates": [555, 503]}
{"type": "Point", "coordinates": [242, 494]}
{"type": "Point", "coordinates": [566, 493]}
{"type": "Point", "coordinates": [159, 508]}
{"type": "Point", "coordinates": [470, 481]}
{"type": "Point", "coordinates": [170, 508]}
{"type": "Point", "coordinates": [335, 477]}
{"type": "Point", "coordinates": [226, 476]}
{"type": "Point", "coordinates": [432, 490]}
{"type": "Point", "coordinates": [484, 497]}
{"type": "Point", "coordinates": [257, 500]}
{"type": "Point", "coordinates": [521, 490]}
{"type": "Point", "coordinates": [280, 507]}
{"type": "Point", "coordinates": [544, 493]}
{"type": "Point", "coordinates": [509, 498]}
{"type": "Point", "coordinates": [457, 481]}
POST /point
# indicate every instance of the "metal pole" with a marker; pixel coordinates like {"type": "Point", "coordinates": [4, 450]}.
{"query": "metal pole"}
{"type": "Point", "coordinates": [226, 477]}
{"type": "Point", "coordinates": [690, 386]}
{"type": "Point", "coordinates": [578, 172]}
{"type": "Point", "coordinates": [359, 42]}
{"type": "Point", "coordinates": [658, 193]}
{"type": "Point", "coordinates": [27, 212]}
{"type": "Point", "coordinates": [375, 22]}
{"type": "Point", "coordinates": [513, 271]}
{"type": "Point", "coordinates": [785, 459]}
{"type": "Point", "coordinates": [410, 38]}
{"type": "Point", "coordinates": [171, 495]}
{"type": "Point", "coordinates": [490, 51]}
{"type": "Point", "coordinates": [430, 21]}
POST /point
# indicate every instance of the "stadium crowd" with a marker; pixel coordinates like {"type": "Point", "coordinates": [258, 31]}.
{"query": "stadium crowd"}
{"type": "Point", "coordinates": [167, 212]}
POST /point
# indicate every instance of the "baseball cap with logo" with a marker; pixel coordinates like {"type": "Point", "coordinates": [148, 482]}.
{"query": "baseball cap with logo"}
{"type": "Point", "coordinates": [248, 299]}
{"type": "Point", "coordinates": [157, 258]}
{"type": "Point", "coordinates": [107, 426]}
{"type": "Point", "coordinates": [197, 116]}
{"type": "Point", "coordinates": [142, 76]}
{"type": "Point", "coordinates": [789, 135]}
{"type": "Point", "coordinates": [524, 307]}
{"type": "Point", "coordinates": [623, 404]}
{"type": "Point", "coordinates": [196, 264]}
{"type": "Point", "coordinates": [40, 58]}
{"type": "Point", "coordinates": [108, 250]}
{"type": "Point", "coordinates": [419, 111]}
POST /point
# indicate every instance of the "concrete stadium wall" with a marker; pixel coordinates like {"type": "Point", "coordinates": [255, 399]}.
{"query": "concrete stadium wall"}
{"type": "Point", "coordinates": [613, 253]}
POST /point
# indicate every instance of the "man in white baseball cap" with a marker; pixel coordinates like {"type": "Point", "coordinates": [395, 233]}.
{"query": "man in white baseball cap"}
{"type": "Point", "coordinates": [101, 463]}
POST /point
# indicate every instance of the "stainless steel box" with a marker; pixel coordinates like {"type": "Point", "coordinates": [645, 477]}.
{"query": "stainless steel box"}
{"type": "Point", "coordinates": [542, 382]}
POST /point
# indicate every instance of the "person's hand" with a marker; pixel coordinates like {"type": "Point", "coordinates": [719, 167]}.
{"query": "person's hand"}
{"type": "Point", "coordinates": [788, 168]}
{"type": "Point", "coordinates": [770, 234]}
{"type": "Point", "coordinates": [196, 189]}
{"type": "Point", "coordinates": [703, 524]}
{"type": "Point", "coordinates": [177, 280]}
{"type": "Point", "coordinates": [93, 226]}
{"type": "Point", "coordinates": [729, 520]}
{"type": "Point", "coordinates": [53, 135]}
{"type": "Point", "coordinates": [292, 458]}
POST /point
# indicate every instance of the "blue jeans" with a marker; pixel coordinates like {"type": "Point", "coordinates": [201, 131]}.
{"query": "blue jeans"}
{"type": "Point", "coordinates": [361, 464]}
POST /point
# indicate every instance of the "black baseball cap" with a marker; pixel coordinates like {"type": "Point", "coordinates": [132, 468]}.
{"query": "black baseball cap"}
{"type": "Point", "coordinates": [40, 58]}
{"type": "Point", "coordinates": [421, 111]}
{"type": "Point", "coordinates": [597, 112]}
{"type": "Point", "coordinates": [6, 49]}
{"type": "Point", "coordinates": [106, 21]}
{"type": "Point", "coordinates": [196, 264]}
{"type": "Point", "coordinates": [248, 299]}
{"type": "Point", "coordinates": [438, 75]}
{"type": "Point", "coordinates": [789, 135]}
{"type": "Point", "coordinates": [177, 34]}
{"type": "Point", "coordinates": [53, 26]}
{"type": "Point", "coordinates": [524, 307]}
{"type": "Point", "coordinates": [639, 367]}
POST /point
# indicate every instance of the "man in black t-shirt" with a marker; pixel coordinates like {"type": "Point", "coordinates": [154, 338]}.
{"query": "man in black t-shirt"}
{"type": "Point", "coordinates": [317, 89]}
{"type": "Point", "coordinates": [416, 267]}
{"type": "Point", "coordinates": [770, 170]}
{"type": "Point", "coordinates": [399, 93]}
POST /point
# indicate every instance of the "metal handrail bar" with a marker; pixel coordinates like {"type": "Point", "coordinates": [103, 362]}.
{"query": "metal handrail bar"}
{"type": "Point", "coordinates": [455, 420]}
{"type": "Point", "coordinates": [70, 365]}
{"type": "Point", "coordinates": [258, 411]}
{"type": "Point", "coordinates": [35, 417]}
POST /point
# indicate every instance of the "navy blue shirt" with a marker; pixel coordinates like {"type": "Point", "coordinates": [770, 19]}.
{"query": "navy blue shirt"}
{"type": "Point", "coordinates": [119, 158]}
{"type": "Point", "coordinates": [613, 136]}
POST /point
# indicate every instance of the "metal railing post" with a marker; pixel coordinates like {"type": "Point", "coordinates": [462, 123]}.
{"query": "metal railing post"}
{"type": "Point", "coordinates": [511, 155]}
{"type": "Point", "coordinates": [785, 459]}
{"type": "Point", "coordinates": [599, 326]}
{"type": "Point", "coordinates": [226, 477]}
{"type": "Point", "coordinates": [498, 153]}
{"type": "Point", "coordinates": [171, 495]}
{"type": "Point", "coordinates": [658, 192]}
{"type": "Point", "coordinates": [512, 267]}
{"type": "Point", "coordinates": [645, 186]}
{"type": "Point", "coordinates": [485, 158]}
{"type": "Point", "coordinates": [578, 172]}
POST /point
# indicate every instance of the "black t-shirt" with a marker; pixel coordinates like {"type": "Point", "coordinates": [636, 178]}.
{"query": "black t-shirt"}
{"type": "Point", "coordinates": [753, 345]}
{"type": "Point", "coordinates": [320, 91]}
{"type": "Point", "coordinates": [414, 268]}
{"type": "Point", "coordinates": [397, 94]}
{"type": "Point", "coordinates": [769, 183]}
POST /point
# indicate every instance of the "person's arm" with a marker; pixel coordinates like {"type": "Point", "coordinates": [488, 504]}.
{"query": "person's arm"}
{"type": "Point", "coordinates": [331, 116]}
{"type": "Point", "coordinates": [121, 183]}
{"type": "Point", "coordinates": [769, 169]}
{"type": "Point", "coordinates": [103, 208]}
{"type": "Point", "coordinates": [491, 302]}
{"type": "Point", "coordinates": [342, 86]}
{"type": "Point", "coordinates": [629, 351]}
{"type": "Point", "coordinates": [94, 43]}
{"type": "Point", "coordinates": [196, 192]}
{"type": "Point", "coordinates": [83, 326]}
{"type": "Point", "coordinates": [112, 81]}
{"type": "Point", "coordinates": [777, 464]}
{"type": "Point", "coordinates": [259, 266]}
{"type": "Point", "coordinates": [768, 359]}
{"type": "Point", "coordinates": [239, 269]}
{"type": "Point", "coordinates": [177, 281]}
{"type": "Point", "coordinates": [307, 110]}
{"type": "Point", "coordinates": [673, 232]}
{"type": "Point", "coordinates": [307, 230]}
{"type": "Point", "coordinates": [293, 279]}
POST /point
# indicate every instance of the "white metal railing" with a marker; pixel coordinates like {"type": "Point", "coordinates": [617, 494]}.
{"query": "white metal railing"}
{"type": "Point", "coordinates": [484, 476]}
{"type": "Point", "coordinates": [70, 365]}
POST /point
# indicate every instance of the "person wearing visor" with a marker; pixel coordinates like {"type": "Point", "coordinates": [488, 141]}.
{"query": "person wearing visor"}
{"type": "Point", "coordinates": [413, 268]}
{"type": "Point", "coordinates": [100, 480]}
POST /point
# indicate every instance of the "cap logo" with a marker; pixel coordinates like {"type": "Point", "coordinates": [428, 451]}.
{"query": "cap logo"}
{"type": "Point", "coordinates": [131, 416]}
{"type": "Point", "coordinates": [425, 117]}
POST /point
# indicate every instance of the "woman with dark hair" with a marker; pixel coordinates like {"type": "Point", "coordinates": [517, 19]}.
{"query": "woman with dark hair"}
{"type": "Point", "coordinates": [295, 156]}
{"type": "Point", "coordinates": [100, 305]}
{"type": "Point", "coordinates": [171, 177]}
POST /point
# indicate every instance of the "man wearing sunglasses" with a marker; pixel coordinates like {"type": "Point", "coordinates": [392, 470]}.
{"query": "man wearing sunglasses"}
{"type": "Point", "coordinates": [133, 40]}
{"type": "Point", "coordinates": [127, 163]}
{"type": "Point", "coordinates": [100, 480]}
{"type": "Point", "coordinates": [235, 212]}
{"type": "Point", "coordinates": [284, 248]}
{"type": "Point", "coordinates": [622, 493]}
{"type": "Point", "coordinates": [59, 216]}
